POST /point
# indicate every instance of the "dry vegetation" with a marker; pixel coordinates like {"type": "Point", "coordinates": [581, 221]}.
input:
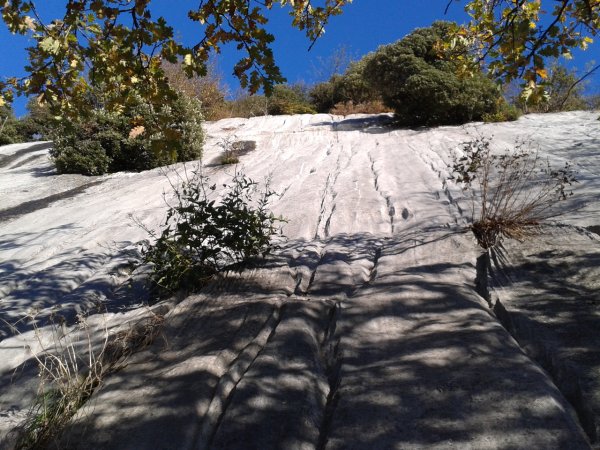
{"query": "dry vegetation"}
{"type": "Point", "coordinates": [511, 192]}
{"type": "Point", "coordinates": [71, 368]}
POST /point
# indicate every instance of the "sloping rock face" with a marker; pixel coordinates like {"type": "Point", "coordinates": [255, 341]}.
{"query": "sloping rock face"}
{"type": "Point", "coordinates": [400, 353]}
{"type": "Point", "coordinates": [363, 330]}
{"type": "Point", "coordinates": [546, 292]}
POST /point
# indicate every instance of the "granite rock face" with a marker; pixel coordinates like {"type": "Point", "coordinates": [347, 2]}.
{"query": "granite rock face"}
{"type": "Point", "coordinates": [363, 330]}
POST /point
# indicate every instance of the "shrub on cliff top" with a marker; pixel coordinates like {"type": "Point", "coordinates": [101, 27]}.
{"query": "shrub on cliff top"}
{"type": "Point", "coordinates": [422, 86]}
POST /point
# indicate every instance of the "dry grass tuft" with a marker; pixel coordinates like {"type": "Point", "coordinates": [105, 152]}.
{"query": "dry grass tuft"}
{"type": "Point", "coordinates": [511, 192]}
{"type": "Point", "coordinates": [72, 369]}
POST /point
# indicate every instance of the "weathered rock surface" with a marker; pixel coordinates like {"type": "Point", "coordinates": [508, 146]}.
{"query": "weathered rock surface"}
{"type": "Point", "coordinates": [547, 293]}
{"type": "Point", "coordinates": [409, 357]}
{"type": "Point", "coordinates": [362, 331]}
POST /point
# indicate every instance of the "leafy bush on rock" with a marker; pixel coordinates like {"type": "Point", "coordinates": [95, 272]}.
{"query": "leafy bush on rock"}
{"type": "Point", "coordinates": [201, 236]}
{"type": "Point", "coordinates": [288, 99]}
{"type": "Point", "coordinates": [110, 142]}
{"type": "Point", "coordinates": [422, 86]}
{"type": "Point", "coordinates": [349, 88]}
{"type": "Point", "coordinates": [504, 113]}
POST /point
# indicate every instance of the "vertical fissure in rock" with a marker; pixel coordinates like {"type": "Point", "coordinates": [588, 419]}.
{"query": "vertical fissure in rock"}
{"type": "Point", "coordinates": [372, 272]}
{"type": "Point", "coordinates": [389, 204]}
{"type": "Point", "coordinates": [376, 257]}
{"type": "Point", "coordinates": [564, 375]}
{"type": "Point", "coordinates": [375, 176]}
{"type": "Point", "coordinates": [323, 206]}
{"type": "Point", "coordinates": [314, 271]}
{"type": "Point", "coordinates": [227, 384]}
{"type": "Point", "coordinates": [328, 222]}
{"type": "Point", "coordinates": [391, 212]}
{"type": "Point", "coordinates": [332, 361]}
{"type": "Point", "coordinates": [298, 289]}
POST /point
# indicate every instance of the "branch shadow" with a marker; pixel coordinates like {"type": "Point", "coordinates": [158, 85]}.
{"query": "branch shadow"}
{"type": "Point", "coordinates": [410, 359]}
{"type": "Point", "coordinates": [553, 310]}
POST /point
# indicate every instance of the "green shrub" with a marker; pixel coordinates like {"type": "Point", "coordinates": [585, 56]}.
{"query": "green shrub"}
{"type": "Point", "coordinates": [352, 85]}
{"type": "Point", "coordinates": [288, 99]}
{"type": "Point", "coordinates": [89, 158]}
{"type": "Point", "coordinates": [9, 127]}
{"type": "Point", "coordinates": [323, 96]}
{"type": "Point", "coordinates": [130, 140]}
{"type": "Point", "coordinates": [371, 107]}
{"type": "Point", "coordinates": [505, 113]}
{"type": "Point", "coordinates": [349, 88]}
{"type": "Point", "coordinates": [229, 159]}
{"type": "Point", "coordinates": [38, 122]}
{"type": "Point", "coordinates": [201, 237]}
{"type": "Point", "coordinates": [422, 87]}
{"type": "Point", "coordinates": [248, 106]}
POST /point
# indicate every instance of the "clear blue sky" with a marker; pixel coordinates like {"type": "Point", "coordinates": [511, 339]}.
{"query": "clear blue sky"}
{"type": "Point", "coordinates": [365, 25]}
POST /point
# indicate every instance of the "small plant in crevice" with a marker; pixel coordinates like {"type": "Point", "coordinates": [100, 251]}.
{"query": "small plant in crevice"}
{"type": "Point", "coordinates": [233, 149]}
{"type": "Point", "coordinates": [511, 192]}
{"type": "Point", "coordinates": [72, 364]}
{"type": "Point", "coordinates": [201, 236]}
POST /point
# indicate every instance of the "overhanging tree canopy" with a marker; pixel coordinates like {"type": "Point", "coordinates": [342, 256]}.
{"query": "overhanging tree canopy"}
{"type": "Point", "coordinates": [516, 36]}
{"type": "Point", "coordinates": [119, 44]}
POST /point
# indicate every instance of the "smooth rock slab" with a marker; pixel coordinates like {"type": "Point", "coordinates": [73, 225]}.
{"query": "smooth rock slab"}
{"type": "Point", "coordinates": [411, 358]}
{"type": "Point", "coordinates": [546, 290]}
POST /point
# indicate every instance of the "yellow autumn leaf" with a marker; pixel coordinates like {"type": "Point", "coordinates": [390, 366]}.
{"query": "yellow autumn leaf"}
{"type": "Point", "coordinates": [585, 42]}
{"type": "Point", "coordinates": [542, 73]}
{"type": "Point", "coordinates": [2, 101]}
{"type": "Point", "coordinates": [532, 25]}
{"type": "Point", "coordinates": [187, 60]}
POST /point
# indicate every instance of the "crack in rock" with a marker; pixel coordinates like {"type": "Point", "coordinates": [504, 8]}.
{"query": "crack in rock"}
{"type": "Point", "coordinates": [331, 357]}
{"type": "Point", "coordinates": [322, 254]}
{"type": "Point", "coordinates": [391, 210]}
{"type": "Point", "coordinates": [564, 374]}
{"type": "Point", "coordinates": [328, 204]}
{"type": "Point", "coordinates": [229, 381]}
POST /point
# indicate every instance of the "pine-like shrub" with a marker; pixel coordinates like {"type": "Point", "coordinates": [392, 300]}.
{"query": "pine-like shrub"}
{"type": "Point", "coordinates": [349, 88]}
{"type": "Point", "coordinates": [421, 85]}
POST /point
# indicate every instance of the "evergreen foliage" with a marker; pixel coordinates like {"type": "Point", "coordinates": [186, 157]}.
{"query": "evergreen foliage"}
{"type": "Point", "coordinates": [422, 86]}
{"type": "Point", "coordinates": [107, 141]}
{"type": "Point", "coordinates": [9, 126]}
{"type": "Point", "coordinates": [202, 236]}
